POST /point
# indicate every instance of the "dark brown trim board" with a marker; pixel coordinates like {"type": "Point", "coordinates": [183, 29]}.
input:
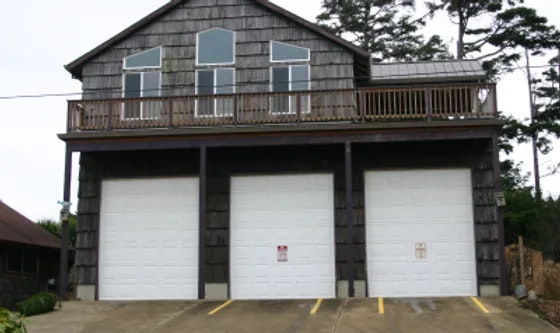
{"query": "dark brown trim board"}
{"type": "Point", "coordinates": [203, 189]}
{"type": "Point", "coordinates": [349, 215]}
{"type": "Point", "coordinates": [63, 276]}
{"type": "Point", "coordinates": [500, 217]}
{"type": "Point", "coordinates": [281, 139]}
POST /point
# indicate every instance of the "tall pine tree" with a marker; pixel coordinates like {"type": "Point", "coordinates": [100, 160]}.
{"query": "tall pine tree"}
{"type": "Point", "coordinates": [386, 28]}
{"type": "Point", "coordinates": [496, 32]}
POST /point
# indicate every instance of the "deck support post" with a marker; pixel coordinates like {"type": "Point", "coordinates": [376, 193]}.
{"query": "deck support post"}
{"type": "Point", "coordinates": [64, 218]}
{"type": "Point", "coordinates": [500, 217]}
{"type": "Point", "coordinates": [203, 188]}
{"type": "Point", "coordinates": [349, 214]}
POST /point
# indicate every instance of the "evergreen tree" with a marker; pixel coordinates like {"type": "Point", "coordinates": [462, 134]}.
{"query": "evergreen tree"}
{"type": "Point", "coordinates": [386, 28]}
{"type": "Point", "coordinates": [544, 124]}
{"type": "Point", "coordinates": [497, 32]}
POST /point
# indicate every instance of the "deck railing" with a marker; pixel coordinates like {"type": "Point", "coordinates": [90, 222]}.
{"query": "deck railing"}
{"type": "Point", "coordinates": [442, 102]}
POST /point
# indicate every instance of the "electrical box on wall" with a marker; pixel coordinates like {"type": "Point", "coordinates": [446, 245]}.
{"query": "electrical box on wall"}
{"type": "Point", "coordinates": [500, 199]}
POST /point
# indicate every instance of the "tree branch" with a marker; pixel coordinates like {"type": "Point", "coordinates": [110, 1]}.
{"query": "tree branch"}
{"type": "Point", "coordinates": [491, 54]}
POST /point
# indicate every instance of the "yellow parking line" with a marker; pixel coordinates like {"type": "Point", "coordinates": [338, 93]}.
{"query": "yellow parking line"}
{"type": "Point", "coordinates": [381, 305]}
{"type": "Point", "coordinates": [480, 305]}
{"type": "Point", "coordinates": [220, 307]}
{"type": "Point", "coordinates": [316, 307]}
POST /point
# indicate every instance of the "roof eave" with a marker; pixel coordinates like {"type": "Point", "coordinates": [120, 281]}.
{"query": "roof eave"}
{"type": "Point", "coordinates": [443, 79]}
{"type": "Point", "coordinates": [76, 66]}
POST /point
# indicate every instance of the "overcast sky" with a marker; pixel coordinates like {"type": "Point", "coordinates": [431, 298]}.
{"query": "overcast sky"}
{"type": "Point", "coordinates": [39, 37]}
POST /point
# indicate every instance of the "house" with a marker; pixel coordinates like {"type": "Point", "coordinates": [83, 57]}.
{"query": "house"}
{"type": "Point", "coordinates": [231, 149]}
{"type": "Point", "coordinates": [29, 257]}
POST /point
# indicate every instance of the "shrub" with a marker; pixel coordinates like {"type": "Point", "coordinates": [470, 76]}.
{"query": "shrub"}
{"type": "Point", "coordinates": [37, 304]}
{"type": "Point", "coordinates": [11, 323]}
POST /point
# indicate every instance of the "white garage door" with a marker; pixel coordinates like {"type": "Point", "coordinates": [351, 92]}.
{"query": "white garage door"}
{"type": "Point", "coordinates": [420, 233]}
{"type": "Point", "coordinates": [282, 237]}
{"type": "Point", "coordinates": [149, 239]}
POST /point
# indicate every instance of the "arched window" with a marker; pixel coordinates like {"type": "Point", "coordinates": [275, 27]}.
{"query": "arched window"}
{"type": "Point", "coordinates": [215, 53]}
{"type": "Point", "coordinates": [142, 78]}
{"type": "Point", "coordinates": [215, 47]}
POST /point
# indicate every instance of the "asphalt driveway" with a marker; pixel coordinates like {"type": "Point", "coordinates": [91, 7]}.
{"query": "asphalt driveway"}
{"type": "Point", "coordinates": [352, 315]}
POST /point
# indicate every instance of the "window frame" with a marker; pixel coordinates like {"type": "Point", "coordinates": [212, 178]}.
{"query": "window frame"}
{"type": "Point", "coordinates": [288, 60]}
{"type": "Point", "coordinates": [234, 44]}
{"type": "Point", "coordinates": [290, 82]}
{"type": "Point", "coordinates": [141, 52]}
{"type": "Point", "coordinates": [22, 252]}
{"type": "Point", "coordinates": [142, 73]}
{"type": "Point", "coordinates": [214, 88]}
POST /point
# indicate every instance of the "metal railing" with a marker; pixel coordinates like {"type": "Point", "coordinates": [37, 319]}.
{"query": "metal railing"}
{"type": "Point", "coordinates": [420, 103]}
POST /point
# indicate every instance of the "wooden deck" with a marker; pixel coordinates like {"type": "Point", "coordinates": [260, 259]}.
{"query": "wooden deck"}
{"type": "Point", "coordinates": [419, 103]}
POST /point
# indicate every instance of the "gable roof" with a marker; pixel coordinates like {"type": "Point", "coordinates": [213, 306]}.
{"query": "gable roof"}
{"type": "Point", "coordinates": [76, 66]}
{"type": "Point", "coordinates": [16, 228]}
{"type": "Point", "coordinates": [427, 71]}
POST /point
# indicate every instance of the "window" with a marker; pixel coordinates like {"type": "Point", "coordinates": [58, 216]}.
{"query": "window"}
{"type": "Point", "coordinates": [146, 59]}
{"type": "Point", "coordinates": [290, 78]}
{"type": "Point", "coordinates": [282, 52]}
{"type": "Point", "coordinates": [22, 261]}
{"type": "Point", "coordinates": [286, 78]}
{"type": "Point", "coordinates": [142, 78]}
{"type": "Point", "coordinates": [137, 85]}
{"type": "Point", "coordinates": [215, 47]}
{"type": "Point", "coordinates": [217, 81]}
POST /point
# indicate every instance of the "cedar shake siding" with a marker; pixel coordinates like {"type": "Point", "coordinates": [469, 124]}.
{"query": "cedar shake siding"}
{"type": "Point", "coordinates": [223, 163]}
{"type": "Point", "coordinates": [17, 286]}
{"type": "Point", "coordinates": [332, 65]}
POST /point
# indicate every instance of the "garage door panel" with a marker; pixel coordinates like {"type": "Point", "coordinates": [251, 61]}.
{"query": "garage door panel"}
{"type": "Point", "coordinates": [149, 239]}
{"type": "Point", "coordinates": [270, 211]}
{"type": "Point", "coordinates": [431, 207]}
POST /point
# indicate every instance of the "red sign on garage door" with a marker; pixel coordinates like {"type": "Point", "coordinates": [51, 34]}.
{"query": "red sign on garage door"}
{"type": "Point", "coordinates": [282, 253]}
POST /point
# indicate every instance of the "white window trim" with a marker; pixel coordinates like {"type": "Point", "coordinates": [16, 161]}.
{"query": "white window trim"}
{"type": "Point", "coordinates": [123, 111]}
{"type": "Point", "coordinates": [218, 63]}
{"type": "Point", "coordinates": [215, 74]}
{"type": "Point", "coordinates": [291, 110]}
{"type": "Point", "coordinates": [144, 67]}
{"type": "Point", "coordinates": [289, 60]}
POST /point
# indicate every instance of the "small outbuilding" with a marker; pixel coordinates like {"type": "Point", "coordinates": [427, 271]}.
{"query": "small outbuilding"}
{"type": "Point", "coordinates": [29, 257]}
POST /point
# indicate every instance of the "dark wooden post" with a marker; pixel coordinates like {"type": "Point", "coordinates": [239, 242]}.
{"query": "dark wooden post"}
{"type": "Point", "coordinates": [170, 120]}
{"type": "Point", "coordinates": [428, 101]}
{"type": "Point", "coordinates": [235, 114]}
{"type": "Point", "coordinates": [110, 116]}
{"type": "Point", "coordinates": [203, 172]}
{"type": "Point", "coordinates": [495, 99]}
{"type": "Point", "coordinates": [69, 123]}
{"type": "Point", "coordinates": [349, 214]}
{"type": "Point", "coordinates": [64, 217]}
{"type": "Point", "coordinates": [500, 216]}
{"type": "Point", "coordinates": [298, 107]}
{"type": "Point", "coordinates": [362, 103]}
